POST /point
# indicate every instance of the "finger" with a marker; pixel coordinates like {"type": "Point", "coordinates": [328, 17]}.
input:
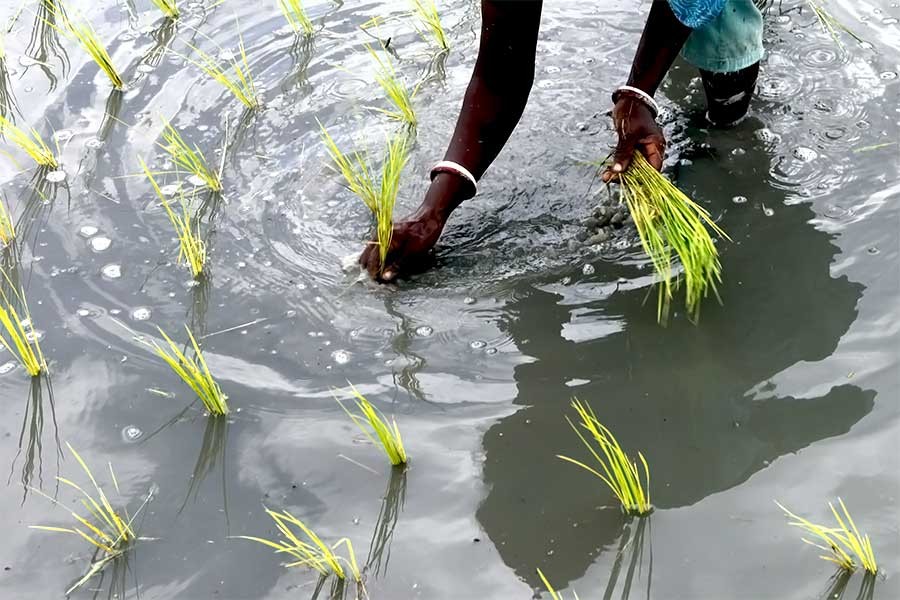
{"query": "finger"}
{"type": "Point", "coordinates": [654, 153]}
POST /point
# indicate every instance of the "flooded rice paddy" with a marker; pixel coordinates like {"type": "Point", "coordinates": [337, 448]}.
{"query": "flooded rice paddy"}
{"type": "Point", "coordinates": [786, 391]}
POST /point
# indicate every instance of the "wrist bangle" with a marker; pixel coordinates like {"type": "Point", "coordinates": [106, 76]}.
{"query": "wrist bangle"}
{"type": "Point", "coordinates": [448, 166]}
{"type": "Point", "coordinates": [638, 93]}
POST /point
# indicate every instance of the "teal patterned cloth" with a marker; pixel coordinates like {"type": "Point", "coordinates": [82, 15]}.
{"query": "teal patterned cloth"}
{"type": "Point", "coordinates": [728, 41]}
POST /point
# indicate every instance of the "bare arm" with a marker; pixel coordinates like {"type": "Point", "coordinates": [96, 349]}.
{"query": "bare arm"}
{"type": "Point", "coordinates": [493, 104]}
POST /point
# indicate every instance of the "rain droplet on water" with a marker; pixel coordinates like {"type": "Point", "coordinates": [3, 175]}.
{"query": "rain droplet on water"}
{"type": "Point", "coordinates": [477, 344]}
{"type": "Point", "coordinates": [739, 199]}
{"type": "Point", "coordinates": [130, 433]}
{"type": "Point", "coordinates": [111, 271]}
{"type": "Point", "coordinates": [341, 357]}
{"type": "Point", "coordinates": [100, 243]}
{"type": "Point", "coordinates": [424, 331]}
{"type": "Point", "coordinates": [141, 313]}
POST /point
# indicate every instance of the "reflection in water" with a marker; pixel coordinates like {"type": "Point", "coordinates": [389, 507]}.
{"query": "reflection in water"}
{"type": "Point", "coordinates": [688, 397]}
{"type": "Point", "coordinates": [200, 303]}
{"type": "Point", "coordinates": [407, 378]}
{"type": "Point", "coordinates": [840, 581]}
{"type": "Point", "coordinates": [7, 99]}
{"type": "Point", "coordinates": [31, 436]}
{"type": "Point", "coordinates": [162, 36]}
{"type": "Point", "coordinates": [436, 71]}
{"type": "Point", "coordinates": [212, 453]}
{"type": "Point", "coordinates": [241, 130]}
{"type": "Point", "coordinates": [391, 506]}
{"type": "Point", "coordinates": [301, 52]}
{"type": "Point", "coordinates": [44, 46]}
{"type": "Point", "coordinates": [633, 547]}
{"type": "Point", "coordinates": [110, 114]}
{"type": "Point", "coordinates": [38, 204]}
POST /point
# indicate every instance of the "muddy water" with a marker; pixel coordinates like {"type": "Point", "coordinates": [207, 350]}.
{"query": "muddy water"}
{"type": "Point", "coordinates": [787, 391]}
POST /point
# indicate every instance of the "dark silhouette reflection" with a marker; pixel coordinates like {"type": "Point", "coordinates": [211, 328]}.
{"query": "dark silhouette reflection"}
{"type": "Point", "coordinates": [301, 52]}
{"type": "Point", "coordinates": [43, 46]}
{"type": "Point", "coordinates": [697, 401]}
{"type": "Point", "coordinates": [110, 114]}
{"type": "Point", "coordinates": [8, 107]}
{"type": "Point", "coordinates": [337, 590]}
{"type": "Point", "coordinates": [635, 536]}
{"type": "Point", "coordinates": [840, 582]}
{"type": "Point", "coordinates": [212, 453]}
{"type": "Point", "coordinates": [391, 506]}
{"type": "Point", "coordinates": [200, 303]}
{"type": "Point", "coordinates": [31, 435]}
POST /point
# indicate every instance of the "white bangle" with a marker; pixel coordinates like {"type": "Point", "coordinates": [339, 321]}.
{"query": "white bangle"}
{"type": "Point", "coordinates": [448, 166]}
{"type": "Point", "coordinates": [647, 98]}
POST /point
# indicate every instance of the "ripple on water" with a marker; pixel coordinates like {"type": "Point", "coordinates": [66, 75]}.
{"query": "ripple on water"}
{"type": "Point", "coordinates": [131, 434]}
{"type": "Point", "coordinates": [824, 54]}
{"type": "Point", "coordinates": [780, 86]}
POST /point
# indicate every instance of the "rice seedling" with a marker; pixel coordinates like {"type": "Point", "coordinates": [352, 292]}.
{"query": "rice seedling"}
{"type": "Point", "coordinates": [428, 16]}
{"type": "Point", "coordinates": [30, 143]}
{"type": "Point", "coordinates": [81, 31]}
{"type": "Point", "coordinates": [843, 544]}
{"type": "Point", "coordinates": [360, 180]}
{"type": "Point", "coordinates": [296, 16]}
{"type": "Point", "coordinates": [830, 23]}
{"type": "Point", "coordinates": [7, 227]}
{"type": "Point", "coordinates": [193, 371]}
{"type": "Point", "coordinates": [668, 221]}
{"type": "Point", "coordinates": [191, 159]}
{"type": "Point", "coordinates": [373, 423]}
{"type": "Point", "coordinates": [394, 89]}
{"type": "Point", "coordinates": [619, 471]}
{"type": "Point", "coordinates": [169, 8]}
{"type": "Point", "coordinates": [553, 593]}
{"type": "Point", "coordinates": [192, 248]}
{"type": "Point", "coordinates": [308, 548]}
{"type": "Point", "coordinates": [18, 335]}
{"type": "Point", "coordinates": [106, 528]}
{"type": "Point", "coordinates": [235, 75]}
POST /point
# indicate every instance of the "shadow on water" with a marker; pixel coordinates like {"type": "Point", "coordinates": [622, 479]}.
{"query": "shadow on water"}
{"type": "Point", "coordinates": [697, 401]}
{"type": "Point", "coordinates": [31, 436]}
{"type": "Point", "coordinates": [391, 506]}
{"type": "Point", "coordinates": [43, 46]}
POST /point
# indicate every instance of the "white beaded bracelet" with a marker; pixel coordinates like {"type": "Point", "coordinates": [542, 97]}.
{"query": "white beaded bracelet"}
{"type": "Point", "coordinates": [448, 166]}
{"type": "Point", "coordinates": [644, 96]}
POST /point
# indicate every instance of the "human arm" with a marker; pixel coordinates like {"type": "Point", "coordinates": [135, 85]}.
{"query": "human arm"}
{"type": "Point", "coordinates": [493, 103]}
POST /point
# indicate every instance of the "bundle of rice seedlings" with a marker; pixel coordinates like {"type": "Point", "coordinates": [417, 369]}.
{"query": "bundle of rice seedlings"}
{"type": "Point", "coordinates": [668, 221]}
{"type": "Point", "coordinates": [843, 545]}
{"type": "Point", "coordinates": [193, 371]}
{"type": "Point", "coordinates": [235, 75]}
{"type": "Point", "coordinates": [191, 159]}
{"type": "Point", "coordinates": [17, 334]}
{"type": "Point", "coordinates": [192, 248]}
{"type": "Point", "coordinates": [29, 142]}
{"type": "Point", "coordinates": [394, 89]}
{"type": "Point", "coordinates": [296, 16]}
{"type": "Point", "coordinates": [7, 228]}
{"type": "Point", "coordinates": [81, 31]}
{"type": "Point", "coordinates": [553, 593]}
{"type": "Point", "coordinates": [374, 425]}
{"type": "Point", "coordinates": [169, 8]}
{"type": "Point", "coordinates": [830, 23]}
{"type": "Point", "coordinates": [429, 18]}
{"type": "Point", "coordinates": [106, 528]}
{"type": "Point", "coordinates": [360, 180]}
{"type": "Point", "coordinates": [619, 472]}
{"type": "Point", "coordinates": [308, 549]}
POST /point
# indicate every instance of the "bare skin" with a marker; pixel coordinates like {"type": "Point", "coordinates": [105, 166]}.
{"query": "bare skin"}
{"type": "Point", "coordinates": [495, 99]}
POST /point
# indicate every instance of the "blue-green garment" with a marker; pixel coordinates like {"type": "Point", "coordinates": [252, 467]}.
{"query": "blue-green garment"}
{"type": "Point", "coordinates": [727, 34]}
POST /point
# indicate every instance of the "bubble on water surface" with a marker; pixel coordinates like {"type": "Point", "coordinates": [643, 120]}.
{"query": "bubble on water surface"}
{"type": "Point", "coordinates": [141, 313]}
{"type": "Point", "coordinates": [739, 199]}
{"type": "Point", "coordinates": [888, 75]}
{"type": "Point", "coordinates": [196, 180]}
{"type": "Point", "coordinates": [477, 344]}
{"type": "Point", "coordinates": [766, 135]}
{"type": "Point", "coordinates": [341, 357]}
{"type": "Point", "coordinates": [7, 367]}
{"type": "Point", "coordinates": [33, 336]}
{"type": "Point", "coordinates": [768, 211]}
{"type": "Point", "coordinates": [88, 231]}
{"type": "Point", "coordinates": [873, 250]}
{"type": "Point", "coordinates": [491, 351]}
{"type": "Point", "coordinates": [170, 189]}
{"type": "Point", "coordinates": [100, 243]}
{"type": "Point", "coordinates": [94, 143]}
{"type": "Point", "coordinates": [83, 312]}
{"type": "Point", "coordinates": [469, 300]}
{"type": "Point", "coordinates": [111, 271]}
{"type": "Point", "coordinates": [805, 154]}
{"type": "Point", "coordinates": [56, 176]}
{"type": "Point", "coordinates": [131, 433]}
{"type": "Point", "coordinates": [424, 331]}
{"type": "Point", "coordinates": [588, 270]}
